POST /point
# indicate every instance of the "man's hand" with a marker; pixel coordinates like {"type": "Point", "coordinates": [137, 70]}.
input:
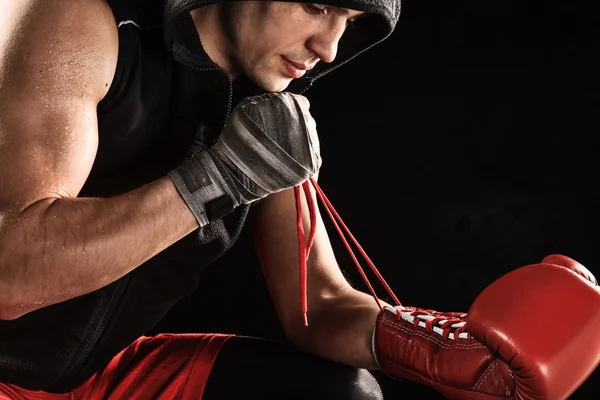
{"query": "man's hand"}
{"type": "Point", "coordinates": [269, 144]}
{"type": "Point", "coordinates": [532, 334]}
{"type": "Point", "coordinates": [310, 121]}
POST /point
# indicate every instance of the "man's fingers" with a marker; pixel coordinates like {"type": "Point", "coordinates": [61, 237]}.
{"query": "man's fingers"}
{"type": "Point", "coordinates": [311, 123]}
{"type": "Point", "coordinates": [303, 102]}
{"type": "Point", "coordinates": [305, 106]}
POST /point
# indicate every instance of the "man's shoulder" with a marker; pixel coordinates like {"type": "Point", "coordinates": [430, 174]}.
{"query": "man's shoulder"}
{"type": "Point", "coordinates": [37, 21]}
{"type": "Point", "coordinates": [76, 41]}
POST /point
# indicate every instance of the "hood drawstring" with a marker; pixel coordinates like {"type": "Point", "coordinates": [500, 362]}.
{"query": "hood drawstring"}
{"type": "Point", "coordinates": [304, 248]}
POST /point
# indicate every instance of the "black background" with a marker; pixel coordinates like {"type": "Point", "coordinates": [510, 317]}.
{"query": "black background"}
{"type": "Point", "coordinates": [459, 149]}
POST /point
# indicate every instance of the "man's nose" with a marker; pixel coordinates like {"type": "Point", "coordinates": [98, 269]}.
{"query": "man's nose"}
{"type": "Point", "coordinates": [325, 42]}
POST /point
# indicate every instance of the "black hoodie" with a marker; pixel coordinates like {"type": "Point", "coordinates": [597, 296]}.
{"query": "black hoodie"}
{"type": "Point", "coordinates": [165, 91]}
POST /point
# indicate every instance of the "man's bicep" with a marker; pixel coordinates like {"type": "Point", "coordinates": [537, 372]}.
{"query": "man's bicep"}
{"type": "Point", "coordinates": [44, 155]}
{"type": "Point", "coordinates": [57, 59]}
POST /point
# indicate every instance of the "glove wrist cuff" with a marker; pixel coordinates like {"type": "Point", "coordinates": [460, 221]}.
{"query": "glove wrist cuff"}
{"type": "Point", "coordinates": [385, 342]}
{"type": "Point", "coordinates": [201, 185]}
{"type": "Point", "coordinates": [374, 340]}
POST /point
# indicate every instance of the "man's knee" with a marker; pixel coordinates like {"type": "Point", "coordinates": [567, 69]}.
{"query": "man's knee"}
{"type": "Point", "coordinates": [343, 382]}
{"type": "Point", "coordinates": [366, 387]}
{"type": "Point", "coordinates": [351, 383]}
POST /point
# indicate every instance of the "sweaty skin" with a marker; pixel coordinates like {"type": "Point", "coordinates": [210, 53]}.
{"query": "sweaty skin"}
{"type": "Point", "coordinates": [57, 60]}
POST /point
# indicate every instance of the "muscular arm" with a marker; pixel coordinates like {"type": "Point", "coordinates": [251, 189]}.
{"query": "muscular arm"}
{"type": "Point", "coordinates": [57, 60]}
{"type": "Point", "coordinates": [341, 319]}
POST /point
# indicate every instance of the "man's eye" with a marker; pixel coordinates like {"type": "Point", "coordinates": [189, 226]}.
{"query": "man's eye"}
{"type": "Point", "coordinates": [315, 8]}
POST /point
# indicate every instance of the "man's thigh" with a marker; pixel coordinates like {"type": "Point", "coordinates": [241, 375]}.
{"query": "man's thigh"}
{"type": "Point", "coordinates": [252, 368]}
{"type": "Point", "coordinates": [161, 367]}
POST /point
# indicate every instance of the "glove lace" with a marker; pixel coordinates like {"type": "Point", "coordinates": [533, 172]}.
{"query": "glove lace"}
{"type": "Point", "coordinates": [304, 247]}
{"type": "Point", "coordinates": [448, 325]}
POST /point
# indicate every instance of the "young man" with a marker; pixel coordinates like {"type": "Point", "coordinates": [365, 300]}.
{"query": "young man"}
{"type": "Point", "coordinates": [107, 111]}
{"type": "Point", "coordinates": [135, 136]}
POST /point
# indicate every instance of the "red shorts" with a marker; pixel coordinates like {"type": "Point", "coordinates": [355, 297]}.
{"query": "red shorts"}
{"type": "Point", "coordinates": [166, 366]}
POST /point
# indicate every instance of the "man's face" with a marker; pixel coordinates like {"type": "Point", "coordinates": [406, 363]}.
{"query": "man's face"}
{"type": "Point", "coordinates": [275, 42]}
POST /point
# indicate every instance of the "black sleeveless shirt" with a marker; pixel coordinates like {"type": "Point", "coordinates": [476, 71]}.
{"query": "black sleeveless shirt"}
{"type": "Point", "coordinates": [165, 92]}
{"type": "Point", "coordinates": [159, 100]}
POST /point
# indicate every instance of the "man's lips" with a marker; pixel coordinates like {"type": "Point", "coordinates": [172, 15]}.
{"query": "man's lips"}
{"type": "Point", "coordinates": [301, 66]}
{"type": "Point", "coordinates": [295, 69]}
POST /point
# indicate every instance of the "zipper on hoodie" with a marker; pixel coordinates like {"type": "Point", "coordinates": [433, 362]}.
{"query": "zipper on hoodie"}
{"type": "Point", "coordinates": [186, 58]}
{"type": "Point", "coordinates": [306, 87]}
{"type": "Point", "coordinates": [81, 358]}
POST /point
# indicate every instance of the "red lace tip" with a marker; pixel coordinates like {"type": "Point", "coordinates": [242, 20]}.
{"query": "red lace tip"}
{"type": "Point", "coordinates": [305, 319]}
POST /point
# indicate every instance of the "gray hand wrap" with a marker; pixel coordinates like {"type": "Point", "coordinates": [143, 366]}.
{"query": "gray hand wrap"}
{"type": "Point", "coordinates": [267, 146]}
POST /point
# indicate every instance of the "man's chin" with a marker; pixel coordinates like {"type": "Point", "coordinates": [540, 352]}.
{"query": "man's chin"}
{"type": "Point", "coordinates": [274, 85]}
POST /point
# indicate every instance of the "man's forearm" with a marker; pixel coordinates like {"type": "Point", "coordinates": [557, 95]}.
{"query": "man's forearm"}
{"type": "Point", "coordinates": [342, 330]}
{"type": "Point", "coordinates": [63, 248]}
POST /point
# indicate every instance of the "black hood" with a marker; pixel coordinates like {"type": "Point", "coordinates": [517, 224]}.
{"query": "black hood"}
{"type": "Point", "coordinates": [378, 25]}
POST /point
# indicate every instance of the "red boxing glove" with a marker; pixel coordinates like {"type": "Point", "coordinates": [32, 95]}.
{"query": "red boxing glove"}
{"type": "Point", "coordinates": [573, 265]}
{"type": "Point", "coordinates": [532, 334]}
